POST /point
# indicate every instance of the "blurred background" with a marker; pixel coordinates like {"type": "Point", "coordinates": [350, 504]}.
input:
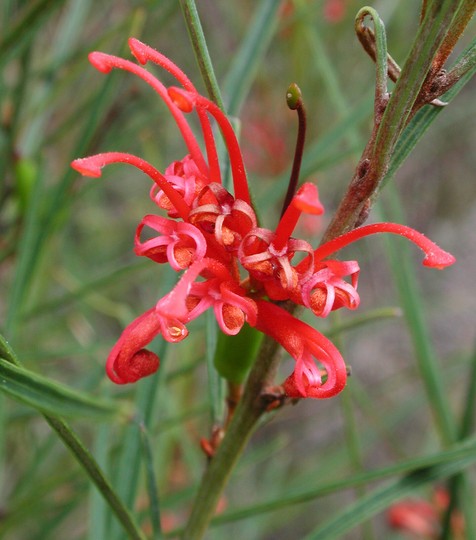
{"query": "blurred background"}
{"type": "Point", "coordinates": [70, 281]}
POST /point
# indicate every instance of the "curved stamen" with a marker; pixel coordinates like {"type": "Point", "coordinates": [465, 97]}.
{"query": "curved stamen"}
{"type": "Point", "coordinates": [106, 62]}
{"type": "Point", "coordinates": [143, 54]}
{"type": "Point", "coordinates": [435, 257]}
{"type": "Point", "coordinates": [186, 101]}
{"type": "Point", "coordinates": [92, 165]}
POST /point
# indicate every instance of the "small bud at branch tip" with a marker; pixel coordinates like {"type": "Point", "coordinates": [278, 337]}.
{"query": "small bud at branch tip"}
{"type": "Point", "coordinates": [293, 96]}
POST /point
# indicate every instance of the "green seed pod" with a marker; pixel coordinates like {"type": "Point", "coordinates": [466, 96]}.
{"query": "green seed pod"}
{"type": "Point", "coordinates": [234, 355]}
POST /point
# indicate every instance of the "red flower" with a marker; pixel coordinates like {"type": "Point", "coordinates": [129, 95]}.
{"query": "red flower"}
{"type": "Point", "coordinates": [423, 519]}
{"type": "Point", "coordinates": [129, 361]}
{"type": "Point", "coordinates": [231, 264]}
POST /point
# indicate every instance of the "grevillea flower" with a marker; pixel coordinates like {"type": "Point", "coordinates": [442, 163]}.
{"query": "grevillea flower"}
{"type": "Point", "coordinates": [230, 263]}
{"type": "Point", "coordinates": [422, 518]}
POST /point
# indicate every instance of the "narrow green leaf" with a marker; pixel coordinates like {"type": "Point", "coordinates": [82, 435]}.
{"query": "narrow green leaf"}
{"type": "Point", "coordinates": [469, 416]}
{"type": "Point", "coordinates": [131, 455]}
{"type": "Point", "coordinates": [86, 289]}
{"type": "Point", "coordinates": [465, 450]}
{"type": "Point", "coordinates": [249, 57]}
{"type": "Point", "coordinates": [369, 317]}
{"type": "Point", "coordinates": [81, 454]}
{"type": "Point", "coordinates": [92, 469]}
{"type": "Point", "coordinates": [26, 253]}
{"type": "Point", "coordinates": [381, 498]}
{"type": "Point", "coordinates": [51, 397]}
{"type": "Point", "coordinates": [98, 515]}
{"type": "Point", "coordinates": [20, 33]}
{"type": "Point", "coordinates": [326, 68]}
{"type": "Point", "coordinates": [38, 227]}
{"type": "Point", "coordinates": [459, 488]}
{"type": "Point", "coordinates": [154, 510]}
{"type": "Point", "coordinates": [380, 48]}
{"type": "Point", "coordinates": [7, 352]}
{"type": "Point", "coordinates": [199, 43]}
{"type": "Point", "coordinates": [430, 35]}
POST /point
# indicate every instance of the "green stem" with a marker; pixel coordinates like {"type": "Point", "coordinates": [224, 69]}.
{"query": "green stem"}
{"type": "Point", "coordinates": [89, 464]}
{"type": "Point", "coordinates": [465, 64]}
{"type": "Point", "coordinates": [249, 410]}
{"type": "Point", "coordinates": [197, 37]}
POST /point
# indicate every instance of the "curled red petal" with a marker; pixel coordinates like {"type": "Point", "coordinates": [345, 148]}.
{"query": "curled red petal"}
{"type": "Point", "coordinates": [128, 361]}
{"type": "Point", "coordinates": [179, 243]}
{"type": "Point", "coordinates": [142, 364]}
{"type": "Point", "coordinates": [304, 344]}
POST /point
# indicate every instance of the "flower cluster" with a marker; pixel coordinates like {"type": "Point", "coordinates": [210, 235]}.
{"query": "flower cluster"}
{"type": "Point", "coordinates": [229, 262]}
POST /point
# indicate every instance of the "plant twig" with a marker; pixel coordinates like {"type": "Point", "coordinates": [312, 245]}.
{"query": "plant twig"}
{"type": "Point", "coordinates": [197, 37]}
